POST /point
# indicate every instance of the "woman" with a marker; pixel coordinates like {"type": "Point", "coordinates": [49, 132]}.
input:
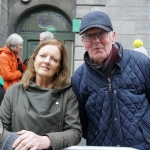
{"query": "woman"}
{"type": "Point", "coordinates": [11, 66]}
{"type": "Point", "coordinates": [42, 108]}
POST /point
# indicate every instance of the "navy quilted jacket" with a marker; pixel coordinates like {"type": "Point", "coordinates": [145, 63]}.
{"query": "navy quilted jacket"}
{"type": "Point", "coordinates": [116, 112]}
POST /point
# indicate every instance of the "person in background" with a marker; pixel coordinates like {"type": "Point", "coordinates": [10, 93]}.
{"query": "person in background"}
{"type": "Point", "coordinates": [2, 91]}
{"type": "Point", "coordinates": [112, 88]}
{"type": "Point", "coordinates": [41, 112]}
{"type": "Point", "coordinates": [138, 46]}
{"type": "Point", "coordinates": [43, 36]}
{"type": "Point", "coordinates": [46, 35]}
{"type": "Point", "coordinates": [11, 66]}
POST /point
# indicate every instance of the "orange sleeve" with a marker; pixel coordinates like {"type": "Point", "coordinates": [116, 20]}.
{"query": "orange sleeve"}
{"type": "Point", "coordinates": [8, 69]}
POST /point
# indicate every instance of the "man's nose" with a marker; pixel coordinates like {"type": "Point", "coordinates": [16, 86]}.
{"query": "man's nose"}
{"type": "Point", "coordinates": [96, 38]}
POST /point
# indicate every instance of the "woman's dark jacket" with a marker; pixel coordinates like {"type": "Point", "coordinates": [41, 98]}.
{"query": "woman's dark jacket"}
{"type": "Point", "coordinates": [115, 112]}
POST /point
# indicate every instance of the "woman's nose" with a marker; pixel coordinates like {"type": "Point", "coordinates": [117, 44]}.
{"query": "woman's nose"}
{"type": "Point", "coordinates": [47, 60]}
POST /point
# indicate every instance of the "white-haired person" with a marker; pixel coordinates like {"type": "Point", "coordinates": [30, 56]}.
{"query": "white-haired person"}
{"type": "Point", "coordinates": [138, 46]}
{"type": "Point", "coordinates": [46, 35]}
{"type": "Point", "coordinates": [11, 65]}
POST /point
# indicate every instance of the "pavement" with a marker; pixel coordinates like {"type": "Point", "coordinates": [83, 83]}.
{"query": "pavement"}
{"type": "Point", "coordinates": [82, 143]}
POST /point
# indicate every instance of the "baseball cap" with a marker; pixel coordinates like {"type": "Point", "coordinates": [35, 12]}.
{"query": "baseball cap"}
{"type": "Point", "coordinates": [95, 19]}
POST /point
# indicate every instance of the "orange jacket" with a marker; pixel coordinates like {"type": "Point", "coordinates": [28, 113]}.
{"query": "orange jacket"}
{"type": "Point", "coordinates": [9, 67]}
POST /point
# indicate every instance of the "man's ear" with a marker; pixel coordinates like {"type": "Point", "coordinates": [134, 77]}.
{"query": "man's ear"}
{"type": "Point", "coordinates": [113, 36]}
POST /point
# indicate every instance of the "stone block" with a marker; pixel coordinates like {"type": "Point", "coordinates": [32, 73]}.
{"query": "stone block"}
{"type": "Point", "coordinates": [142, 27]}
{"type": "Point", "coordinates": [91, 2]}
{"type": "Point", "coordinates": [69, 7]}
{"type": "Point", "coordinates": [124, 13]}
{"type": "Point", "coordinates": [112, 12]}
{"type": "Point", "coordinates": [79, 53]}
{"type": "Point", "coordinates": [127, 40]}
{"type": "Point", "coordinates": [3, 40]}
{"type": "Point", "coordinates": [82, 11]}
{"type": "Point", "coordinates": [44, 1]}
{"type": "Point", "coordinates": [4, 28]}
{"type": "Point", "coordinates": [128, 3]}
{"type": "Point", "coordinates": [134, 13]}
{"type": "Point", "coordinates": [117, 38]}
{"type": "Point", "coordinates": [77, 64]}
{"type": "Point", "coordinates": [4, 16]}
{"type": "Point", "coordinates": [78, 41]}
{"type": "Point", "coordinates": [4, 4]}
{"type": "Point", "coordinates": [124, 27]}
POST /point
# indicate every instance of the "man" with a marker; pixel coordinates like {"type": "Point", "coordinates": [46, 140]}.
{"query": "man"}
{"type": "Point", "coordinates": [46, 35]}
{"type": "Point", "coordinates": [112, 87]}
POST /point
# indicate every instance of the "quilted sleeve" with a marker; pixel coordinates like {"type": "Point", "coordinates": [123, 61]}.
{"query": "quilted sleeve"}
{"type": "Point", "coordinates": [148, 81]}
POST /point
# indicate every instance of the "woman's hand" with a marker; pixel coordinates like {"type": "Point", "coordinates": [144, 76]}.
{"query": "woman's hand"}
{"type": "Point", "coordinates": [29, 140]}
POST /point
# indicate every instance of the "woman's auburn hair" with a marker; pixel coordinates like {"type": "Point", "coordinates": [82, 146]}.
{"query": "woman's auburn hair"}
{"type": "Point", "coordinates": [59, 79]}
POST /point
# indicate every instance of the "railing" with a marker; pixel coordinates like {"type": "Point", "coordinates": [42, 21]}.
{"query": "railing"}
{"type": "Point", "coordinates": [97, 148]}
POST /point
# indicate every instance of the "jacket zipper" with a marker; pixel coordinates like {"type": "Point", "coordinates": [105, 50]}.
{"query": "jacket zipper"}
{"type": "Point", "coordinates": [109, 84]}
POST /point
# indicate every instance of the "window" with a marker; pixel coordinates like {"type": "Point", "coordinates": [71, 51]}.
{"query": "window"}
{"type": "Point", "coordinates": [45, 21]}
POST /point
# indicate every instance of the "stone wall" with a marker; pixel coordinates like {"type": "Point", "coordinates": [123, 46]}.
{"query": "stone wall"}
{"type": "Point", "coordinates": [3, 21]}
{"type": "Point", "coordinates": [130, 19]}
{"type": "Point", "coordinates": [17, 9]}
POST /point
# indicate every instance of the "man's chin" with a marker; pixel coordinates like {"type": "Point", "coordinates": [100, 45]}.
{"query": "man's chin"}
{"type": "Point", "coordinates": [99, 59]}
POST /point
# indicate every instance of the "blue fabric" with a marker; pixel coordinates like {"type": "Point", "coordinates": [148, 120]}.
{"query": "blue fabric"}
{"type": "Point", "coordinates": [116, 112]}
{"type": "Point", "coordinates": [8, 143]}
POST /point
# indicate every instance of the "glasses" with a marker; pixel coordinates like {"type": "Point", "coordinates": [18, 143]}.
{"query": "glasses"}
{"type": "Point", "coordinates": [91, 37]}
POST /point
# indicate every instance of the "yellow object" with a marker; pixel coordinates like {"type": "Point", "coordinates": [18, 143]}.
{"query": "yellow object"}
{"type": "Point", "coordinates": [137, 43]}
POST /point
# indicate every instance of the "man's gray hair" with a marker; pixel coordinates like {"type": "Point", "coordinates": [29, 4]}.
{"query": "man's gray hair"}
{"type": "Point", "coordinates": [47, 35]}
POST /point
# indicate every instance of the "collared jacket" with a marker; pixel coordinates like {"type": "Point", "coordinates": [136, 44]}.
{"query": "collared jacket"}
{"type": "Point", "coordinates": [43, 111]}
{"type": "Point", "coordinates": [115, 111]}
{"type": "Point", "coordinates": [9, 67]}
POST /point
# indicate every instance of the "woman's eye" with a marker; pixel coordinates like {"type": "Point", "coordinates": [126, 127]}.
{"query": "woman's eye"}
{"type": "Point", "coordinates": [42, 55]}
{"type": "Point", "coordinates": [54, 59]}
